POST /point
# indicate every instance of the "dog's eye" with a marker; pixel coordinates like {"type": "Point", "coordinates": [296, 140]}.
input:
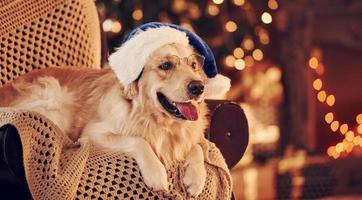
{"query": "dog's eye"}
{"type": "Point", "coordinates": [166, 65]}
{"type": "Point", "coordinates": [193, 65]}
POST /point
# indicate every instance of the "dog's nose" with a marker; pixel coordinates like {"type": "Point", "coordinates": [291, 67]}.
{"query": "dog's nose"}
{"type": "Point", "coordinates": [195, 88]}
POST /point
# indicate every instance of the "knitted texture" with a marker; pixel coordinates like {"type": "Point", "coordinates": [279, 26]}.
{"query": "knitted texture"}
{"type": "Point", "coordinates": [57, 168]}
{"type": "Point", "coordinates": [42, 33]}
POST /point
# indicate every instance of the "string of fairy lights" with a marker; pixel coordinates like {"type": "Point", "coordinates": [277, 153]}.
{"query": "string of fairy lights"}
{"type": "Point", "coordinates": [242, 56]}
{"type": "Point", "coordinates": [352, 135]}
{"type": "Point", "coordinates": [247, 54]}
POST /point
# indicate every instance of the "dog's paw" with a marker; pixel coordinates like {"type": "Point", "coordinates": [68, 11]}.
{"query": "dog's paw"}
{"type": "Point", "coordinates": [195, 178]}
{"type": "Point", "coordinates": [155, 176]}
{"type": "Point", "coordinates": [83, 141]}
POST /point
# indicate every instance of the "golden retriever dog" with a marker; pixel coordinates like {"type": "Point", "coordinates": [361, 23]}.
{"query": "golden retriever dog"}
{"type": "Point", "coordinates": [159, 119]}
{"type": "Point", "coordinates": [149, 103]}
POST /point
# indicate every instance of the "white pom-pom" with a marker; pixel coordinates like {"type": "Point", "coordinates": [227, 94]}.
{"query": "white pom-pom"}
{"type": "Point", "coordinates": [217, 87]}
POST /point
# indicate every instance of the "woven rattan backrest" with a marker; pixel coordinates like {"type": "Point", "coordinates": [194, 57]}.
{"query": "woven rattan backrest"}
{"type": "Point", "coordinates": [46, 33]}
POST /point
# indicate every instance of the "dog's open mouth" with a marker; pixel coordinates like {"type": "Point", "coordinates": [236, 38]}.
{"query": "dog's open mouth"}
{"type": "Point", "coordinates": [186, 111]}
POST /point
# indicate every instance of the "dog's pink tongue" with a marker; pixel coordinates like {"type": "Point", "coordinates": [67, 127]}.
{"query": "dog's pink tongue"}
{"type": "Point", "coordinates": [188, 110]}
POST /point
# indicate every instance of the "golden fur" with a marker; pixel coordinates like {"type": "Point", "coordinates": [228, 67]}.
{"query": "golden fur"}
{"type": "Point", "coordinates": [92, 104]}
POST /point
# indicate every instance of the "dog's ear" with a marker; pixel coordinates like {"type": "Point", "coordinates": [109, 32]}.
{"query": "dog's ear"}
{"type": "Point", "coordinates": [131, 90]}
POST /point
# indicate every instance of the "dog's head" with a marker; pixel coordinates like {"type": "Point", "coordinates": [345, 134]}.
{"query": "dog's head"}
{"type": "Point", "coordinates": [171, 75]}
{"type": "Point", "coordinates": [173, 80]}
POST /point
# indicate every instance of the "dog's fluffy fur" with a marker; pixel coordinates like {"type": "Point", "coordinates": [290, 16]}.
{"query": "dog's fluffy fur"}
{"type": "Point", "coordinates": [92, 105]}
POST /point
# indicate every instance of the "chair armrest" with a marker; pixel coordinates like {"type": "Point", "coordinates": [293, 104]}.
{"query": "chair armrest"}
{"type": "Point", "coordinates": [12, 176]}
{"type": "Point", "coordinates": [228, 130]}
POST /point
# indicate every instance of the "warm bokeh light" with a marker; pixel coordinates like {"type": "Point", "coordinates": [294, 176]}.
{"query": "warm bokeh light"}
{"type": "Point", "coordinates": [349, 147]}
{"type": "Point", "coordinates": [357, 140]}
{"type": "Point", "coordinates": [336, 155]}
{"type": "Point", "coordinates": [331, 150]}
{"type": "Point", "coordinates": [273, 4]}
{"type": "Point", "coordinates": [137, 14]}
{"type": "Point", "coordinates": [359, 118]}
{"type": "Point", "coordinates": [116, 27]}
{"type": "Point", "coordinates": [320, 69]}
{"type": "Point", "coordinates": [239, 64]}
{"type": "Point", "coordinates": [107, 25]}
{"type": "Point", "coordinates": [238, 52]}
{"type": "Point", "coordinates": [263, 36]}
{"type": "Point", "coordinates": [213, 10]}
{"type": "Point", "coordinates": [218, 1]}
{"type": "Point", "coordinates": [239, 2]}
{"type": "Point", "coordinates": [322, 96]}
{"type": "Point", "coordinates": [331, 100]}
{"type": "Point", "coordinates": [317, 84]}
{"type": "Point", "coordinates": [274, 74]}
{"type": "Point", "coordinates": [339, 147]}
{"type": "Point", "coordinates": [344, 128]}
{"type": "Point", "coordinates": [179, 5]}
{"type": "Point", "coordinates": [359, 129]}
{"type": "Point", "coordinates": [187, 26]}
{"type": "Point", "coordinates": [258, 55]}
{"type": "Point", "coordinates": [329, 117]}
{"type": "Point", "coordinates": [266, 18]}
{"type": "Point", "coordinates": [349, 136]}
{"type": "Point", "coordinates": [194, 11]}
{"type": "Point", "coordinates": [334, 126]}
{"type": "Point", "coordinates": [229, 61]}
{"type": "Point", "coordinates": [249, 61]}
{"type": "Point", "coordinates": [231, 26]}
{"type": "Point", "coordinates": [313, 63]}
{"type": "Point", "coordinates": [248, 43]}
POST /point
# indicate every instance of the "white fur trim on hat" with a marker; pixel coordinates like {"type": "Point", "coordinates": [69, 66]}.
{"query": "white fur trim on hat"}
{"type": "Point", "coordinates": [129, 59]}
{"type": "Point", "coordinates": [217, 86]}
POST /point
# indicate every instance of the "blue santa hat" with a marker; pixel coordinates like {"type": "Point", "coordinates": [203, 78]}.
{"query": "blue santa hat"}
{"type": "Point", "coordinates": [128, 60]}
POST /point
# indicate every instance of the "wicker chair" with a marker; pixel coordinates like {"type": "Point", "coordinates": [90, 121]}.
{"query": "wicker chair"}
{"type": "Point", "coordinates": [40, 33]}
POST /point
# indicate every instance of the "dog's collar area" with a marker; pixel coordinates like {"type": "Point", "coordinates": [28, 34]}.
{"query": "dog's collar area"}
{"type": "Point", "coordinates": [168, 106]}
